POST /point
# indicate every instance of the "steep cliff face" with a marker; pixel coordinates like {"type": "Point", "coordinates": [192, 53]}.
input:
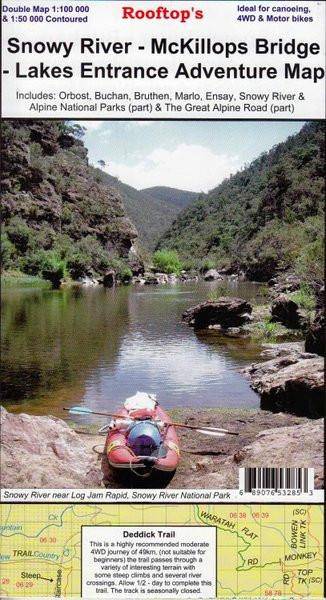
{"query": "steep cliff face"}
{"type": "Point", "coordinates": [151, 216]}
{"type": "Point", "coordinates": [54, 204]}
{"type": "Point", "coordinates": [152, 213]}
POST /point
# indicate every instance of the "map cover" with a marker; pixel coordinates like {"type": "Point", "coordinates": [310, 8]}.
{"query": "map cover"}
{"type": "Point", "coordinates": [162, 299]}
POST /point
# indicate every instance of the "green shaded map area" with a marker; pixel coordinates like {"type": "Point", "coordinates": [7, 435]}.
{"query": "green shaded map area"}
{"type": "Point", "coordinates": [263, 551]}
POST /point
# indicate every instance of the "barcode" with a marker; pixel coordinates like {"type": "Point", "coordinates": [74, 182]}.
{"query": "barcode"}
{"type": "Point", "coordinates": [271, 478]}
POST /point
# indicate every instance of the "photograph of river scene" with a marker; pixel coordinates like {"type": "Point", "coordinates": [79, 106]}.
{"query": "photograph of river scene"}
{"type": "Point", "coordinates": [162, 302]}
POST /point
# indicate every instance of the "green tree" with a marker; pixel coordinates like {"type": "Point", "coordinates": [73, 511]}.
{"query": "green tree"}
{"type": "Point", "coordinates": [19, 234]}
{"type": "Point", "coordinates": [7, 251]}
{"type": "Point", "coordinates": [71, 128]}
{"type": "Point", "coordinates": [310, 264]}
{"type": "Point", "coordinates": [167, 261]}
{"type": "Point", "coordinates": [53, 269]}
{"type": "Point", "coordinates": [47, 264]}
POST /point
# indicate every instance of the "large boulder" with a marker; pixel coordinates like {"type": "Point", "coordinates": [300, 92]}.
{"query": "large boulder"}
{"type": "Point", "coordinates": [139, 280]}
{"type": "Point", "coordinates": [226, 311]}
{"type": "Point", "coordinates": [285, 311]}
{"type": "Point", "coordinates": [172, 279]}
{"type": "Point", "coordinates": [43, 452]}
{"type": "Point", "coordinates": [284, 283]}
{"type": "Point", "coordinates": [109, 279]}
{"type": "Point", "coordinates": [136, 266]}
{"type": "Point", "coordinates": [315, 339]}
{"type": "Point", "coordinates": [282, 349]}
{"type": "Point", "coordinates": [88, 281]}
{"type": "Point", "coordinates": [151, 279]}
{"type": "Point", "coordinates": [299, 445]}
{"type": "Point", "coordinates": [212, 275]}
{"type": "Point", "coordinates": [296, 446]}
{"type": "Point", "coordinates": [292, 383]}
{"type": "Point", "coordinates": [162, 278]}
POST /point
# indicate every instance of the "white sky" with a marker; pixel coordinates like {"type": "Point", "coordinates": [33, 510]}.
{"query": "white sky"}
{"type": "Point", "coordinates": [191, 155]}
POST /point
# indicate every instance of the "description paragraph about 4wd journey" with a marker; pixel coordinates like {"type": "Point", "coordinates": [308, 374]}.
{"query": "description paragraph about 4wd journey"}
{"type": "Point", "coordinates": [164, 562]}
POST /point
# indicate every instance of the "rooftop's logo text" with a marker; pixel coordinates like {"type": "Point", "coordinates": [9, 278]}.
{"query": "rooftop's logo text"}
{"type": "Point", "coordinates": [162, 12]}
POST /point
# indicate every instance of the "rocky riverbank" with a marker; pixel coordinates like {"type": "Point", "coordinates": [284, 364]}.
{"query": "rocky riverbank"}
{"type": "Point", "coordinates": [110, 279]}
{"type": "Point", "coordinates": [46, 452]}
{"type": "Point", "coordinates": [292, 381]}
{"type": "Point", "coordinates": [148, 275]}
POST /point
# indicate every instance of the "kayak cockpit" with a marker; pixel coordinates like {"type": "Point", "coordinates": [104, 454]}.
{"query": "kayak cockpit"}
{"type": "Point", "coordinates": [142, 440]}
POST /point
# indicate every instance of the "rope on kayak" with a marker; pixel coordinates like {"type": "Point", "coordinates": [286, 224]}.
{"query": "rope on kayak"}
{"type": "Point", "coordinates": [196, 452]}
{"type": "Point", "coordinates": [142, 475]}
{"type": "Point", "coordinates": [96, 451]}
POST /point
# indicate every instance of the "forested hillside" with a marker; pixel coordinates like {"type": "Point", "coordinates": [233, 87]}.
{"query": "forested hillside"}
{"type": "Point", "coordinates": [179, 199]}
{"type": "Point", "coordinates": [264, 219]}
{"type": "Point", "coordinates": [58, 217]}
{"type": "Point", "coordinates": [61, 215]}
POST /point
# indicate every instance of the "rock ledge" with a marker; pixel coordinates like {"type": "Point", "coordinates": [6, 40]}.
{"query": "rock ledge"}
{"type": "Point", "coordinates": [292, 383]}
{"type": "Point", "coordinates": [226, 311]}
{"type": "Point", "coordinates": [44, 452]}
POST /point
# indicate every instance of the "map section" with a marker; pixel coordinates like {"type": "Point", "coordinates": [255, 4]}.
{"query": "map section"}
{"type": "Point", "coordinates": [218, 551]}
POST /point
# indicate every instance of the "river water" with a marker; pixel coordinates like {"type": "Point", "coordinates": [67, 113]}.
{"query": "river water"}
{"type": "Point", "coordinates": [94, 347]}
